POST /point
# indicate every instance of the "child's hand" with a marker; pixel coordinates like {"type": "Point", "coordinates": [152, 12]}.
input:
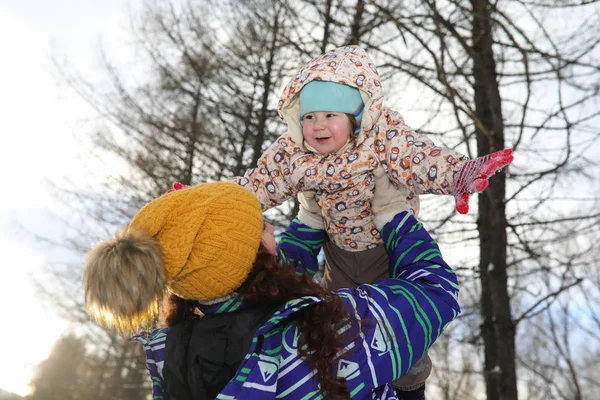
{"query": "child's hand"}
{"type": "Point", "coordinates": [473, 176]}
{"type": "Point", "coordinates": [310, 211]}
{"type": "Point", "coordinates": [388, 199]}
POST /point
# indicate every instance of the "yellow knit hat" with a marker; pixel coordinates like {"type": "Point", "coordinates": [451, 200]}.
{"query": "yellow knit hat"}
{"type": "Point", "coordinates": [200, 242]}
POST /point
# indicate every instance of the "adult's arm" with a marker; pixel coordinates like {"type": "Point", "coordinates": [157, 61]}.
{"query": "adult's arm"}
{"type": "Point", "coordinates": [299, 245]}
{"type": "Point", "coordinates": [154, 346]}
{"type": "Point", "coordinates": [400, 317]}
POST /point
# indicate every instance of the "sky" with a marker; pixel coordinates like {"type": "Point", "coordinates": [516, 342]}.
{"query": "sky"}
{"type": "Point", "coordinates": [38, 121]}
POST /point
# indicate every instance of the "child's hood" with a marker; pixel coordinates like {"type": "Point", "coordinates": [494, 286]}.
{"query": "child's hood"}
{"type": "Point", "coordinates": [349, 65]}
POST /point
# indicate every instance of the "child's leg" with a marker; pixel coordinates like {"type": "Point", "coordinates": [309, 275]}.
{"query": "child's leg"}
{"type": "Point", "coordinates": [352, 268]}
{"type": "Point", "coordinates": [417, 394]}
{"type": "Point", "coordinates": [409, 384]}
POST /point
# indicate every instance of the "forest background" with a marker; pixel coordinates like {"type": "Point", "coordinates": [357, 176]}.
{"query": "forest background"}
{"type": "Point", "coordinates": [193, 98]}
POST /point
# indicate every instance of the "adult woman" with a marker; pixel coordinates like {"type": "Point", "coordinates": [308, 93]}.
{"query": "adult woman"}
{"type": "Point", "coordinates": [266, 331]}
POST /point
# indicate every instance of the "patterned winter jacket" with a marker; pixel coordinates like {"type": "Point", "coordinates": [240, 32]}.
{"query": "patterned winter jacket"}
{"type": "Point", "coordinates": [344, 181]}
{"type": "Point", "coordinates": [401, 318]}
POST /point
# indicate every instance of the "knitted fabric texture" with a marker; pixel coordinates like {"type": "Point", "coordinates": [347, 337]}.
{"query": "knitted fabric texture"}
{"type": "Point", "coordinates": [208, 236]}
{"type": "Point", "coordinates": [331, 96]}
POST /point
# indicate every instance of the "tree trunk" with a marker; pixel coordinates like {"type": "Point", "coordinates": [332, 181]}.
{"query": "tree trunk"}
{"type": "Point", "coordinates": [326, 26]}
{"type": "Point", "coordinates": [497, 329]}
{"type": "Point", "coordinates": [356, 23]}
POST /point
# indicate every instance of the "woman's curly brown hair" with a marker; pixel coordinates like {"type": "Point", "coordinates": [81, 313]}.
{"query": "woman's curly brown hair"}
{"type": "Point", "coordinates": [271, 282]}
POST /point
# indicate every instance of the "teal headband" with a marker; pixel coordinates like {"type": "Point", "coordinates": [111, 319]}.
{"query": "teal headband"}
{"type": "Point", "coordinates": [331, 96]}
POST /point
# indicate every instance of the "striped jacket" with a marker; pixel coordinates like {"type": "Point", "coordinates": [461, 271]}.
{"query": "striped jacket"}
{"type": "Point", "coordinates": [401, 318]}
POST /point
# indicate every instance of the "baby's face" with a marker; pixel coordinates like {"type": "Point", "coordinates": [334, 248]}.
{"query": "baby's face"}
{"type": "Point", "coordinates": [326, 131]}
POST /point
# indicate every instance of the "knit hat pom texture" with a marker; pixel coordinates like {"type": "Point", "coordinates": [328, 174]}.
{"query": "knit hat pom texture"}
{"type": "Point", "coordinates": [205, 237]}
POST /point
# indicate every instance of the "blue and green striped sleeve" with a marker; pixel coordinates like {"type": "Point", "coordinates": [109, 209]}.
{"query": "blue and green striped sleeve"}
{"type": "Point", "coordinates": [415, 255]}
{"type": "Point", "coordinates": [402, 316]}
{"type": "Point", "coordinates": [300, 245]}
{"type": "Point", "coordinates": [154, 346]}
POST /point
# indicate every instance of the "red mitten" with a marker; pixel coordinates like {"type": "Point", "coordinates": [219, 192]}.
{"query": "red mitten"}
{"type": "Point", "coordinates": [474, 174]}
{"type": "Point", "coordinates": [177, 186]}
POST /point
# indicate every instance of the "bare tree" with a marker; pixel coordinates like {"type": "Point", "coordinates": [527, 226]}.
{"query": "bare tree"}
{"type": "Point", "coordinates": [71, 371]}
{"type": "Point", "coordinates": [63, 374]}
{"type": "Point", "coordinates": [203, 111]}
{"type": "Point", "coordinates": [486, 68]}
{"type": "Point", "coordinates": [477, 75]}
{"type": "Point", "coordinates": [453, 381]}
